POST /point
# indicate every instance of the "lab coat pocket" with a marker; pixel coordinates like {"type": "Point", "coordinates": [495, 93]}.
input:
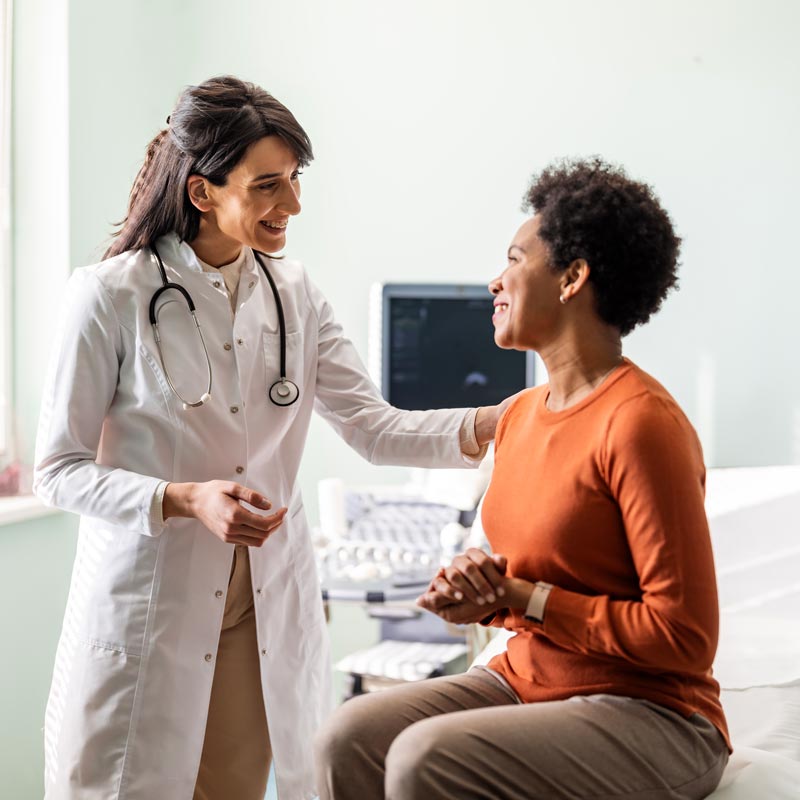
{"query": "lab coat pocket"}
{"type": "Point", "coordinates": [125, 567]}
{"type": "Point", "coordinates": [96, 723]}
{"type": "Point", "coordinates": [284, 401]}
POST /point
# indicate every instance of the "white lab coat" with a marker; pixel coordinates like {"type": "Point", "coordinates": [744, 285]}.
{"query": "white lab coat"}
{"type": "Point", "coordinates": [127, 709]}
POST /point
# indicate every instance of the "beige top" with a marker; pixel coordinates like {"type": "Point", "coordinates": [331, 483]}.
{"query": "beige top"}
{"type": "Point", "coordinates": [230, 274]}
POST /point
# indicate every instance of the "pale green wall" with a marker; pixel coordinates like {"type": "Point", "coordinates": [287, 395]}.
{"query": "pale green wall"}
{"type": "Point", "coordinates": [427, 118]}
{"type": "Point", "coordinates": [35, 563]}
{"type": "Point", "coordinates": [127, 64]}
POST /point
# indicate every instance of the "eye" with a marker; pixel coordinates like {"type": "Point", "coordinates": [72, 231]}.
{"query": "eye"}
{"type": "Point", "coordinates": [267, 187]}
{"type": "Point", "coordinates": [296, 174]}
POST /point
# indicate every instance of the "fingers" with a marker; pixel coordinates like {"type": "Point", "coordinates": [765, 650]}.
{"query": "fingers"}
{"type": "Point", "coordinates": [239, 517]}
{"type": "Point", "coordinates": [433, 601]}
{"type": "Point", "coordinates": [477, 575]}
{"type": "Point", "coordinates": [237, 531]}
{"type": "Point", "coordinates": [248, 495]}
{"type": "Point", "coordinates": [442, 587]}
{"type": "Point", "coordinates": [501, 563]}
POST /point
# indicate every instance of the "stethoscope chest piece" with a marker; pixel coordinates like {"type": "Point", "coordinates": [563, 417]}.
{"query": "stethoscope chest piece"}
{"type": "Point", "coordinates": [283, 392]}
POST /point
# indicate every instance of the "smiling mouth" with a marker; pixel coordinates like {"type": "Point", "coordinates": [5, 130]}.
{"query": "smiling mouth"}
{"type": "Point", "coordinates": [499, 309]}
{"type": "Point", "coordinates": [275, 225]}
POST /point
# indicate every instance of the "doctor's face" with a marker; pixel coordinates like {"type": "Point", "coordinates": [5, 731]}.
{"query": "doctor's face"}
{"type": "Point", "coordinates": [261, 193]}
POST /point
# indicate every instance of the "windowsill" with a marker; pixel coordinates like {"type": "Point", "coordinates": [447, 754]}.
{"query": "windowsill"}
{"type": "Point", "coordinates": [20, 508]}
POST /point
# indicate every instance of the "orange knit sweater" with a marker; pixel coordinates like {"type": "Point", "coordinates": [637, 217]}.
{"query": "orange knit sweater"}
{"type": "Point", "coordinates": [605, 500]}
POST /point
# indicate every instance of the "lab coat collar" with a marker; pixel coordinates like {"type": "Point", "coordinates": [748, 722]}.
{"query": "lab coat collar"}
{"type": "Point", "coordinates": [178, 253]}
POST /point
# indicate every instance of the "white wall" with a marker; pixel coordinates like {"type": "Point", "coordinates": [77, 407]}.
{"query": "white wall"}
{"type": "Point", "coordinates": [428, 118]}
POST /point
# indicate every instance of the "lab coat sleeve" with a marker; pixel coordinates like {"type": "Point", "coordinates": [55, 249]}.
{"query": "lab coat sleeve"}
{"type": "Point", "coordinates": [79, 389]}
{"type": "Point", "coordinates": [349, 401]}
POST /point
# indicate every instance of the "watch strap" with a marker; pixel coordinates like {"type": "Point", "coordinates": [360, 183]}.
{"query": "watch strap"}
{"type": "Point", "coordinates": [537, 602]}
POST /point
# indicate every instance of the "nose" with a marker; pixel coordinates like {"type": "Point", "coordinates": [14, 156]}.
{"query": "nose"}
{"type": "Point", "coordinates": [290, 199]}
{"type": "Point", "coordinates": [496, 285]}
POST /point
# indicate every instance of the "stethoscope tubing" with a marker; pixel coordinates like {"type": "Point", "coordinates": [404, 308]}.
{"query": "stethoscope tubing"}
{"type": "Point", "coordinates": [282, 393]}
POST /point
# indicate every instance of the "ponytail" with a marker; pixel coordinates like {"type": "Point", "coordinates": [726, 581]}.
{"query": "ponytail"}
{"type": "Point", "coordinates": [156, 204]}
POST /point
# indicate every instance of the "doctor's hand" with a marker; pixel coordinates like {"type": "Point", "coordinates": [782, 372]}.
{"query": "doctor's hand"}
{"type": "Point", "coordinates": [216, 504]}
{"type": "Point", "coordinates": [487, 418]}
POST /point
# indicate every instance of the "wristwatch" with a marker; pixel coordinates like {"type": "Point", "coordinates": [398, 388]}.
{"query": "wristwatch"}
{"type": "Point", "coordinates": [538, 600]}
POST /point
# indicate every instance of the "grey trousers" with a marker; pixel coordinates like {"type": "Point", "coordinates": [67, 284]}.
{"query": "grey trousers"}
{"type": "Point", "coordinates": [467, 737]}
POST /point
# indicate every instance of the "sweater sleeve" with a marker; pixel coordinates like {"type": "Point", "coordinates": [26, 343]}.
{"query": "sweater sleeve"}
{"type": "Point", "coordinates": [654, 469]}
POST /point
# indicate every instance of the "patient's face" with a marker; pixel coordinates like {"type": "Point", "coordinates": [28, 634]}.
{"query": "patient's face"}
{"type": "Point", "coordinates": [526, 293]}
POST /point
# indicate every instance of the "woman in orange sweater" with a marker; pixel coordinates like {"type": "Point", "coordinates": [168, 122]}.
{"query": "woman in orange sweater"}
{"type": "Point", "coordinates": [603, 567]}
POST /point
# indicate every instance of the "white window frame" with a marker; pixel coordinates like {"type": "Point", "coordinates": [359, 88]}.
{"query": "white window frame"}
{"type": "Point", "coordinates": [6, 331]}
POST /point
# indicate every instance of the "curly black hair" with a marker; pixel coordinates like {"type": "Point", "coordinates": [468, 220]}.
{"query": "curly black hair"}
{"type": "Point", "coordinates": [592, 210]}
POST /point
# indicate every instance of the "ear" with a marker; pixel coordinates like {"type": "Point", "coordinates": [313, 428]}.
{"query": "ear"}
{"type": "Point", "coordinates": [574, 278]}
{"type": "Point", "coordinates": [198, 189]}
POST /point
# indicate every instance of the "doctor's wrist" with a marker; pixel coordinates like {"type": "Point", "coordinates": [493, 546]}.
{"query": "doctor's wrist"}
{"type": "Point", "coordinates": [179, 500]}
{"type": "Point", "coordinates": [485, 423]}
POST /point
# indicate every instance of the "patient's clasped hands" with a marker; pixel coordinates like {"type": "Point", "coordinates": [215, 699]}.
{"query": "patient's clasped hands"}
{"type": "Point", "coordinates": [474, 587]}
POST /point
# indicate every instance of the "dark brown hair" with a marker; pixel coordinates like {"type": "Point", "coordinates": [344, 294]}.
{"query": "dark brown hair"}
{"type": "Point", "coordinates": [208, 133]}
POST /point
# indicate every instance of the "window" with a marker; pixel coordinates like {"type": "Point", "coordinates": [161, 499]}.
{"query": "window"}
{"type": "Point", "coordinates": [5, 230]}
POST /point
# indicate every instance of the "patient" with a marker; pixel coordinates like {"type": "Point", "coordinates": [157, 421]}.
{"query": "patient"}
{"type": "Point", "coordinates": [602, 564]}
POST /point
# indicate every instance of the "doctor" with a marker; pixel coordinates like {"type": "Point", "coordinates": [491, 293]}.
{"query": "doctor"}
{"type": "Point", "coordinates": [192, 619]}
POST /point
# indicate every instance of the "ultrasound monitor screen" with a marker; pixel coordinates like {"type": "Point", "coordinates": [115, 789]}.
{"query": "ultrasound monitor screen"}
{"type": "Point", "coordinates": [441, 354]}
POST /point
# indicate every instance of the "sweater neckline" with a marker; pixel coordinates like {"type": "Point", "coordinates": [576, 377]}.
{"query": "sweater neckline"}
{"type": "Point", "coordinates": [545, 415]}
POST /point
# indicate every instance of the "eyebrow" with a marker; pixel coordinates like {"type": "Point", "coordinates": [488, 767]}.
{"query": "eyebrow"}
{"type": "Point", "coordinates": [265, 176]}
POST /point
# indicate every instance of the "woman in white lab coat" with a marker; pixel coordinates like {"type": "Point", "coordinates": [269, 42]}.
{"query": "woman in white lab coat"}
{"type": "Point", "coordinates": [147, 693]}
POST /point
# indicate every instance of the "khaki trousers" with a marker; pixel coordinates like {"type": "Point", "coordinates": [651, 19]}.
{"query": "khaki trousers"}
{"type": "Point", "coordinates": [236, 750]}
{"type": "Point", "coordinates": [467, 737]}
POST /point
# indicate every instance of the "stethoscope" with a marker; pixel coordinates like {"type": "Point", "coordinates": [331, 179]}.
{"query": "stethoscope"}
{"type": "Point", "coordinates": [282, 393]}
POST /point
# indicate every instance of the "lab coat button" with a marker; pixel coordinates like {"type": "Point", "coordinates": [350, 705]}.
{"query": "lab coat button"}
{"type": "Point", "coordinates": [218, 593]}
{"type": "Point", "coordinates": [263, 652]}
{"type": "Point", "coordinates": [251, 284]}
{"type": "Point", "coordinates": [239, 470]}
{"type": "Point", "coordinates": [216, 284]}
{"type": "Point", "coordinates": [258, 591]}
{"type": "Point", "coordinates": [208, 656]}
{"type": "Point", "coordinates": [234, 409]}
{"type": "Point", "coordinates": [227, 346]}
{"type": "Point", "coordinates": [240, 341]}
